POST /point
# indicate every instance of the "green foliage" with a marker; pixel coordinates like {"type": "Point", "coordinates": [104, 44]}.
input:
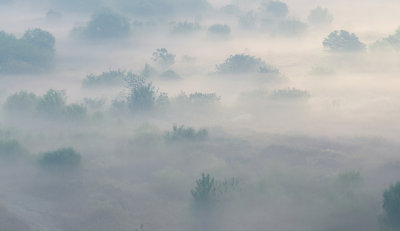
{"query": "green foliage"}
{"type": "Point", "coordinates": [205, 191]}
{"type": "Point", "coordinates": [106, 24]}
{"type": "Point", "coordinates": [180, 133]}
{"type": "Point", "coordinates": [66, 157]}
{"type": "Point", "coordinates": [33, 52]}
{"type": "Point", "coordinates": [343, 41]}
{"type": "Point", "coordinates": [391, 206]}
{"type": "Point", "coordinates": [241, 64]}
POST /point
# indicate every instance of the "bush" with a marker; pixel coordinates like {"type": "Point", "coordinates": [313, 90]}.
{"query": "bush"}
{"type": "Point", "coordinates": [21, 103]}
{"type": "Point", "coordinates": [391, 206]}
{"type": "Point", "coordinates": [186, 133]}
{"type": "Point", "coordinates": [185, 27]}
{"type": "Point", "coordinates": [241, 64]}
{"type": "Point", "coordinates": [390, 43]}
{"type": "Point", "coordinates": [106, 24]}
{"type": "Point", "coordinates": [276, 9]}
{"type": "Point", "coordinates": [163, 58]}
{"type": "Point", "coordinates": [33, 52]}
{"type": "Point", "coordinates": [205, 191]}
{"type": "Point", "coordinates": [110, 78]}
{"type": "Point", "coordinates": [52, 103]}
{"type": "Point", "coordinates": [64, 157]}
{"type": "Point", "coordinates": [343, 41]}
{"type": "Point", "coordinates": [142, 95]}
{"type": "Point", "coordinates": [320, 16]}
{"type": "Point", "coordinates": [219, 30]}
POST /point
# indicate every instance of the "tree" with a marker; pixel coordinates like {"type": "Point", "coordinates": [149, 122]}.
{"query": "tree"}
{"type": "Point", "coordinates": [320, 16]}
{"type": "Point", "coordinates": [219, 30]}
{"type": "Point", "coordinates": [40, 38]}
{"type": "Point", "coordinates": [343, 41]}
{"type": "Point", "coordinates": [106, 24]}
{"type": "Point", "coordinates": [142, 95]}
{"type": "Point", "coordinates": [242, 63]}
{"type": "Point", "coordinates": [391, 206]}
{"type": "Point", "coordinates": [276, 9]}
{"type": "Point", "coordinates": [205, 190]}
{"type": "Point", "coordinates": [163, 58]}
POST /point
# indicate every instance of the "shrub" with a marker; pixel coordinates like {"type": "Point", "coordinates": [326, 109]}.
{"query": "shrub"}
{"type": "Point", "coordinates": [52, 103]}
{"type": "Point", "coordinates": [163, 58]}
{"type": "Point", "coordinates": [219, 30]}
{"type": "Point", "coordinates": [21, 102]}
{"type": "Point", "coordinates": [142, 95]}
{"type": "Point", "coordinates": [343, 41]}
{"type": "Point", "coordinates": [33, 52]}
{"type": "Point", "coordinates": [391, 206]}
{"type": "Point", "coordinates": [110, 78]}
{"type": "Point", "coordinates": [185, 27]}
{"type": "Point", "coordinates": [390, 43]}
{"type": "Point", "coordinates": [106, 24]}
{"type": "Point", "coordinates": [320, 16]}
{"type": "Point", "coordinates": [241, 64]}
{"type": "Point", "coordinates": [186, 133]}
{"type": "Point", "coordinates": [66, 157]}
{"type": "Point", "coordinates": [276, 9]}
{"type": "Point", "coordinates": [205, 191]}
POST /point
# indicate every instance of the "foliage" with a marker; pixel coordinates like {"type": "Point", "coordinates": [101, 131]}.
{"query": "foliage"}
{"type": "Point", "coordinates": [390, 43]}
{"type": "Point", "coordinates": [276, 9]}
{"type": "Point", "coordinates": [391, 206]}
{"type": "Point", "coordinates": [320, 16]}
{"type": "Point", "coordinates": [33, 52]}
{"type": "Point", "coordinates": [163, 58]}
{"type": "Point", "coordinates": [219, 30]}
{"type": "Point", "coordinates": [22, 101]}
{"type": "Point", "coordinates": [242, 63]}
{"type": "Point", "coordinates": [106, 24]}
{"type": "Point", "coordinates": [142, 95]}
{"type": "Point", "coordinates": [291, 27]}
{"type": "Point", "coordinates": [110, 78]}
{"type": "Point", "coordinates": [52, 103]}
{"type": "Point", "coordinates": [61, 157]}
{"type": "Point", "coordinates": [205, 190]}
{"type": "Point", "coordinates": [343, 41]}
{"type": "Point", "coordinates": [186, 133]}
{"type": "Point", "coordinates": [185, 27]}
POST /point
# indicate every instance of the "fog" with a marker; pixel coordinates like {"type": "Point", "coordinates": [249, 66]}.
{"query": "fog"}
{"type": "Point", "coordinates": [199, 115]}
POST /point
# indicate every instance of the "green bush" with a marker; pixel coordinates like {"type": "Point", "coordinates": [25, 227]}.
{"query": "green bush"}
{"type": "Point", "coordinates": [66, 157]}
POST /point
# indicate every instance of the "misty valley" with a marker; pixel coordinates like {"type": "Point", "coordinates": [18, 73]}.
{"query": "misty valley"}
{"type": "Point", "coordinates": [199, 115]}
